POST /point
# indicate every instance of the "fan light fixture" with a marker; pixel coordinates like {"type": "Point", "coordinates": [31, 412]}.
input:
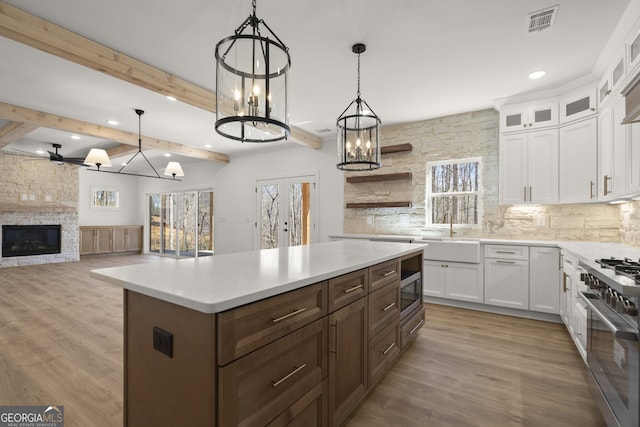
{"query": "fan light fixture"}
{"type": "Point", "coordinates": [98, 157]}
{"type": "Point", "coordinates": [358, 131]}
{"type": "Point", "coordinates": [252, 73]}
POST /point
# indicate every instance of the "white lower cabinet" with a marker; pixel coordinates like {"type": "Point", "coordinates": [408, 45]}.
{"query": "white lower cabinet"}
{"type": "Point", "coordinates": [453, 280]}
{"type": "Point", "coordinates": [544, 279]}
{"type": "Point", "coordinates": [506, 283]}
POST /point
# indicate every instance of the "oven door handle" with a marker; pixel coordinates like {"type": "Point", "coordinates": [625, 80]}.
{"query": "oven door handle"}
{"type": "Point", "coordinates": [621, 333]}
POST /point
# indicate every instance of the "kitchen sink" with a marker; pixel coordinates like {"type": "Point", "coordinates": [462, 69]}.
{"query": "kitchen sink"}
{"type": "Point", "coordinates": [451, 250]}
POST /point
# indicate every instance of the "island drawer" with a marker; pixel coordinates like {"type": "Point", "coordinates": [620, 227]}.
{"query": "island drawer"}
{"type": "Point", "coordinates": [347, 288]}
{"type": "Point", "coordinates": [249, 327]}
{"type": "Point", "coordinates": [384, 308]}
{"type": "Point", "coordinates": [257, 388]}
{"type": "Point", "coordinates": [409, 329]}
{"type": "Point", "coordinates": [383, 349]}
{"type": "Point", "coordinates": [384, 274]}
{"type": "Point", "coordinates": [308, 411]}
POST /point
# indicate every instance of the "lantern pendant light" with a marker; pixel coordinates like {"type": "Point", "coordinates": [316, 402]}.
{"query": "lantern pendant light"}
{"type": "Point", "coordinates": [358, 132]}
{"type": "Point", "coordinates": [252, 73]}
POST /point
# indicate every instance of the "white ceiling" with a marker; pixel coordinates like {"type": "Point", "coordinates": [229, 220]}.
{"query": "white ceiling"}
{"type": "Point", "coordinates": [424, 59]}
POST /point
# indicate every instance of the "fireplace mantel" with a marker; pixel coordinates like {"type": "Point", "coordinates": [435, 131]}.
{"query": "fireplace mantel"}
{"type": "Point", "coordinates": [36, 207]}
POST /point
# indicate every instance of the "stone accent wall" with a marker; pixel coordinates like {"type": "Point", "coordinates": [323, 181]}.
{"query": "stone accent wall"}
{"type": "Point", "coordinates": [630, 223]}
{"type": "Point", "coordinates": [51, 193]}
{"type": "Point", "coordinates": [473, 134]}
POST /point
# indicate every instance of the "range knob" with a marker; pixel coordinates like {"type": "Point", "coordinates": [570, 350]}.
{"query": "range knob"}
{"type": "Point", "coordinates": [630, 308]}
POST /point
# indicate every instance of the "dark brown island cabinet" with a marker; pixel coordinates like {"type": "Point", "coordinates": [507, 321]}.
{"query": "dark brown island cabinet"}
{"type": "Point", "coordinates": [306, 357]}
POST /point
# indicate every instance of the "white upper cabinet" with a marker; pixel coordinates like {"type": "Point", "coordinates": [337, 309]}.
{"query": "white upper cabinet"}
{"type": "Point", "coordinates": [633, 171]}
{"type": "Point", "coordinates": [633, 51]}
{"type": "Point", "coordinates": [578, 104]}
{"type": "Point", "coordinates": [528, 168]}
{"type": "Point", "coordinates": [578, 162]}
{"type": "Point", "coordinates": [611, 81]}
{"type": "Point", "coordinates": [612, 150]}
{"type": "Point", "coordinates": [528, 116]}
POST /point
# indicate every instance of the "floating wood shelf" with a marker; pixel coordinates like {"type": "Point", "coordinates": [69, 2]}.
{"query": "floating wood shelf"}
{"type": "Point", "coordinates": [366, 205]}
{"type": "Point", "coordinates": [379, 177]}
{"type": "Point", "coordinates": [395, 148]}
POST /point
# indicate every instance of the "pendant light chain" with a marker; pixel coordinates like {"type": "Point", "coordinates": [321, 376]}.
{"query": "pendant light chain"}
{"type": "Point", "coordinates": [358, 76]}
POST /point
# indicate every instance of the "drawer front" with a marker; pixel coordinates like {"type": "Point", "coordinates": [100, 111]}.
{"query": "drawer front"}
{"type": "Point", "coordinates": [345, 289]}
{"type": "Point", "coordinates": [409, 329]}
{"type": "Point", "coordinates": [255, 389]}
{"type": "Point", "coordinates": [247, 328]}
{"type": "Point", "coordinates": [384, 274]}
{"type": "Point", "coordinates": [383, 350]}
{"type": "Point", "coordinates": [506, 252]}
{"type": "Point", "coordinates": [384, 308]}
{"type": "Point", "coordinates": [309, 411]}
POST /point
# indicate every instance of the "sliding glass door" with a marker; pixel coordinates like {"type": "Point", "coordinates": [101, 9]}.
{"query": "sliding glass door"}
{"type": "Point", "coordinates": [181, 224]}
{"type": "Point", "coordinates": [285, 212]}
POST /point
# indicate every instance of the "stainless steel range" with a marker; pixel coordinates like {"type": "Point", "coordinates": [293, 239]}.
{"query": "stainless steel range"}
{"type": "Point", "coordinates": [612, 337]}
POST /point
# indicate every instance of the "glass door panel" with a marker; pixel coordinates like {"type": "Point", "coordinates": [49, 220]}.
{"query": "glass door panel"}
{"type": "Point", "coordinates": [169, 235]}
{"type": "Point", "coordinates": [269, 217]}
{"type": "Point", "coordinates": [154, 223]}
{"type": "Point", "coordinates": [187, 233]}
{"type": "Point", "coordinates": [299, 214]}
{"type": "Point", "coordinates": [205, 223]}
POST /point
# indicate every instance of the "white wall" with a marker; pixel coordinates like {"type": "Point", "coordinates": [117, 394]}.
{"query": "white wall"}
{"type": "Point", "coordinates": [234, 190]}
{"type": "Point", "coordinates": [129, 211]}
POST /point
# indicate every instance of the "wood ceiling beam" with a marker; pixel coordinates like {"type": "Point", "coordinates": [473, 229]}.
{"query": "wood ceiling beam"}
{"type": "Point", "coordinates": [121, 150]}
{"type": "Point", "coordinates": [20, 26]}
{"type": "Point", "coordinates": [42, 119]}
{"type": "Point", "coordinates": [13, 131]}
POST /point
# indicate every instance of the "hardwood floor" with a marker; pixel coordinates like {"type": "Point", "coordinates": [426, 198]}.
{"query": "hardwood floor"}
{"type": "Point", "coordinates": [470, 368]}
{"type": "Point", "coordinates": [61, 343]}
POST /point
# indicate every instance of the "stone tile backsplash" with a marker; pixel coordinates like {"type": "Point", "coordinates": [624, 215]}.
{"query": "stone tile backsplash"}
{"type": "Point", "coordinates": [474, 134]}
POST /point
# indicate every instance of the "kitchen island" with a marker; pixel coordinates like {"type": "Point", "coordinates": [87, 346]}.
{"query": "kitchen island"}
{"type": "Point", "coordinates": [265, 337]}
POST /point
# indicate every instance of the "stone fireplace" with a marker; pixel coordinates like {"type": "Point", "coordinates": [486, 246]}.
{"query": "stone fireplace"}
{"type": "Point", "coordinates": [36, 193]}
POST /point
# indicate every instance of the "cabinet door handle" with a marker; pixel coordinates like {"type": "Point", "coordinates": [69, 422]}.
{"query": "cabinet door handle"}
{"type": "Point", "coordinates": [388, 349]}
{"type": "Point", "coordinates": [506, 252]}
{"type": "Point", "coordinates": [355, 288]}
{"type": "Point", "coordinates": [591, 189]}
{"type": "Point", "coordinates": [389, 273]}
{"type": "Point", "coordinates": [415, 328]}
{"type": "Point", "coordinates": [275, 384]}
{"type": "Point", "coordinates": [564, 282]}
{"type": "Point", "coordinates": [286, 316]}
{"type": "Point", "coordinates": [389, 307]}
{"type": "Point", "coordinates": [525, 193]}
{"type": "Point", "coordinates": [499, 261]}
{"type": "Point", "coordinates": [606, 184]}
{"type": "Point", "coordinates": [335, 342]}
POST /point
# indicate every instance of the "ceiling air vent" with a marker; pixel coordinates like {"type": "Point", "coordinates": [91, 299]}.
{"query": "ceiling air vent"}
{"type": "Point", "coordinates": [542, 19]}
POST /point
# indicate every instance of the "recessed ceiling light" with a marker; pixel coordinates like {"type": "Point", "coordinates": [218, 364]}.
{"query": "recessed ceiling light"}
{"type": "Point", "coordinates": [537, 74]}
{"type": "Point", "coordinates": [112, 122]}
{"type": "Point", "coordinates": [167, 154]}
{"type": "Point", "coordinates": [40, 151]}
{"type": "Point", "coordinates": [208, 145]}
{"type": "Point", "coordinates": [75, 136]}
{"type": "Point", "coordinates": [171, 98]}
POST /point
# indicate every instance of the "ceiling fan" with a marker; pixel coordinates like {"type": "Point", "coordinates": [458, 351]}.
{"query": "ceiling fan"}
{"type": "Point", "coordinates": [57, 157]}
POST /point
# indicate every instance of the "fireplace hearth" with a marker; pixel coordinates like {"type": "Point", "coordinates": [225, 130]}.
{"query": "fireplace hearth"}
{"type": "Point", "coordinates": [27, 240]}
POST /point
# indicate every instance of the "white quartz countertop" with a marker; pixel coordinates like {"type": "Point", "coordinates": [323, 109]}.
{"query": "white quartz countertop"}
{"type": "Point", "coordinates": [220, 282]}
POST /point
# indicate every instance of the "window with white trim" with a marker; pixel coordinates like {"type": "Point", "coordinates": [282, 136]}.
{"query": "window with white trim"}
{"type": "Point", "coordinates": [454, 192]}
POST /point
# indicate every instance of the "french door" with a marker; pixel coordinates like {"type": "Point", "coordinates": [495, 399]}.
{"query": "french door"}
{"type": "Point", "coordinates": [181, 224]}
{"type": "Point", "coordinates": [286, 211]}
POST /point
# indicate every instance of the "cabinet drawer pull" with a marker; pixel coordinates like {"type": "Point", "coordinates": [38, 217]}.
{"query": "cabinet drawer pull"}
{"type": "Point", "coordinates": [389, 273]}
{"type": "Point", "coordinates": [415, 328]}
{"type": "Point", "coordinates": [591, 189]}
{"type": "Point", "coordinates": [286, 316]}
{"type": "Point", "coordinates": [499, 261]}
{"type": "Point", "coordinates": [389, 348]}
{"type": "Point", "coordinates": [389, 307]}
{"type": "Point", "coordinates": [275, 384]}
{"type": "Point", "coordinates": [506, 252]}
{"type": "Point", "coordinates": [355, 288]}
